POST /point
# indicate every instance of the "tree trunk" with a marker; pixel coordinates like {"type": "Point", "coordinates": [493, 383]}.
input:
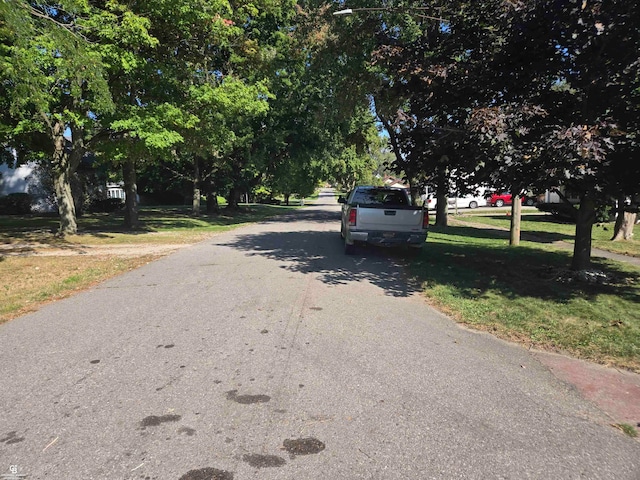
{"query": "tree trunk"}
{"type": "Point", "coordinates": [78, 191]}
{"type": "Point", "coordinates": [516, 217]}
{"type": "Point", "coordinates": [234, 199]}
{"type": "Point", "coordinates": [66, 207]}
{"type": "Point", "coordinates": [393, 138]}
{"type": "Point", "coordinates": [623, 229]}
{"type": "Point", "coordinates": [442, 209]}
{"type": "Point", "coordinates": [286, 198]}
{"type": "Point", "coordinates": [131, 218]}
{"type": "Point", "coordinates": [584, 224]}
{"type": "Point", "coordinates": [624, 226]}
{"type": "Point", "coordinates": [442, 192]}
{"type": "Point", "coordinates": [212, 203]}
{"type": "Point", "coordinates": [195, 209]}
{"type": "Point", "coordinates": [62, 170]}
{"type": "Point", "coordinates": [414, 193]}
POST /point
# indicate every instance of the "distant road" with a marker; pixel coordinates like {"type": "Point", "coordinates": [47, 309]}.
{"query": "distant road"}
{"type": "Point", "coordinates": [266, 353]}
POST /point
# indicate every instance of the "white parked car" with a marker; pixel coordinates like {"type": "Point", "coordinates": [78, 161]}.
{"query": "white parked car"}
{"type": "Point", "coordinates": [465, 201]}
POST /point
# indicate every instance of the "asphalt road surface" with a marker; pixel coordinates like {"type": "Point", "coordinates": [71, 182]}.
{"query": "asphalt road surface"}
{"type": "Point", "coordinates": [266, 353]}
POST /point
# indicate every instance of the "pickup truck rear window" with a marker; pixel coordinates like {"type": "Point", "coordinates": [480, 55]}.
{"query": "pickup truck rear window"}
{"type": "Point", "coordinates": [379, 197]}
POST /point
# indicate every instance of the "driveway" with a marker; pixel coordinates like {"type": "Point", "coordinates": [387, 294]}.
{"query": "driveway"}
{"type": "Point", "coordinates": [266, 353]}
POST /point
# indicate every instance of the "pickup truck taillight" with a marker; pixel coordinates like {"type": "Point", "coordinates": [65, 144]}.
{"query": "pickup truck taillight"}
{"type": "Point", "coordinates": [352, 216]}
{"type": "Point", "coordinates": [425, 219]}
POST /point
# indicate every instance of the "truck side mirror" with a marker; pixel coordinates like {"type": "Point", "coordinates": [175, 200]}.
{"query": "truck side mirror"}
{"type": "Point", "coordinates": [342, 200]}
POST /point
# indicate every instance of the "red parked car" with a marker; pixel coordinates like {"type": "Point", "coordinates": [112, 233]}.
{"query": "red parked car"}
{"type": "Point", "coordinates": [504, 198]}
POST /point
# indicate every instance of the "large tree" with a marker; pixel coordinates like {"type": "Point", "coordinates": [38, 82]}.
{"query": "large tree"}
{"type": "Point", "coordinates": [589, 52]}
{"type": "Point", "coordinates": [57, 87]}
{"type": "Point", "coordinates": [422, 72]}
{"type": "Point", "coordinates": [549, 87]}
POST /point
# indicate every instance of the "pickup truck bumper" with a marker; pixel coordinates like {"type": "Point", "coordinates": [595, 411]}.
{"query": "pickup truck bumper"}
{"type": "Point", "coordinates": [387, 239]}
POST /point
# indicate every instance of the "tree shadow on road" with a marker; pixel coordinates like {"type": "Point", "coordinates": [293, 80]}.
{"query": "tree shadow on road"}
{"type": "Point", "coordinates": [322, 253]}
{"type": "Point", "coordinates": [525, 272]}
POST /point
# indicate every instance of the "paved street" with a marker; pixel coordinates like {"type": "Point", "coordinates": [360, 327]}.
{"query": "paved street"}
{"type": "Point", "coordinates": [266, 353]}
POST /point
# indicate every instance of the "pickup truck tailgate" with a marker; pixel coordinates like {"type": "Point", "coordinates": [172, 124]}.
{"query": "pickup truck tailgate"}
{"type": "Point", "coordinates": [395, 219]}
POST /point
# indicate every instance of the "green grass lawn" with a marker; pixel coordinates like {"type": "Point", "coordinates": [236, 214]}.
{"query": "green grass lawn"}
{"type": "Point", "coordinates": [528, 294]}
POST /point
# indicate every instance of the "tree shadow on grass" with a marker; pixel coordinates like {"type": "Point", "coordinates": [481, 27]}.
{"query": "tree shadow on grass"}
{"type": "Point", "coordinates": [537, 236]}
{"type": "Point", "coordinates": [491, 233]}
{"type": "Point", "coordinates": [545, 237]}
{"type": "Point", "coordinates": [537, 218]}
{"type": "Point", "coordinates": [42, 228]}
{"type": "Point", "coordinates": [166, 218]}
{"type": "Point", "coordinates": [520, 272]}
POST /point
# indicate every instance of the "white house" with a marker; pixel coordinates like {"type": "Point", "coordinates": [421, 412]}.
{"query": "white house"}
{"type": "Point", "coordinates": [115, 190]}
{"type": "Point", "coordinates": [15, 180]}
{"type": "Point", "coordinates": [24, 179]}
{"type": "Point", "coordinates": [390, 181]}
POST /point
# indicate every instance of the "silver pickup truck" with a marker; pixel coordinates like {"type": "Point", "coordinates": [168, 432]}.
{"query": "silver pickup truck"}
{"type": "Point", "coordinates": [382, 216]}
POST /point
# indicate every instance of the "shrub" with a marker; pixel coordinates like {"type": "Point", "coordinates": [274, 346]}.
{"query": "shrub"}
{"type": "Point", "coordinates": [15, 204]}
{"type": "Point", "coordinates": [567, 212]}
{"type": "Point", "coordinates": [563, 211]}
{"type": "Point", "coordinates": [263, 195]}
{"type": "Point", "coordinates": [106, 205]}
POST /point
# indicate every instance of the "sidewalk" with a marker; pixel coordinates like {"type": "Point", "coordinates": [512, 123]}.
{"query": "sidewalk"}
{"type": "Point", "coordinates": [614, 256]}
{"type": "Point", "coordinates": [615, 392]}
